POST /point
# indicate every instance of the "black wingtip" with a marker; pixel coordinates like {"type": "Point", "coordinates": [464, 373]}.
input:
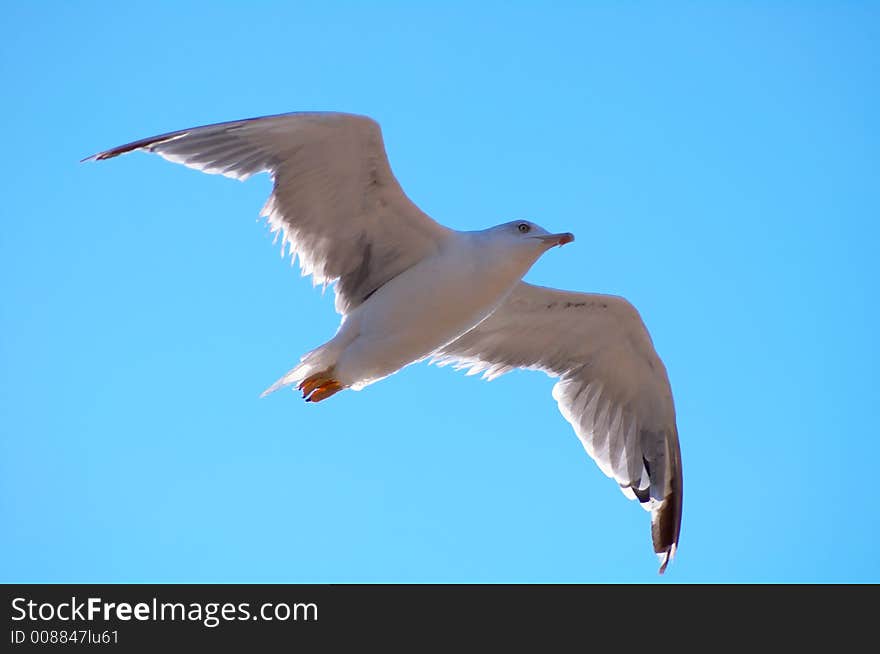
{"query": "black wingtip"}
{"type": "Point", "coordinates": [666, 525]}
{"type": "Point", "coordinates": [666, 517]}
{"type": "Point", "coordinates": [142, 144]}
{"type": "Point", "coordinates": [666, 558]}
{"type": "Point", "coordinates": [107, 154]}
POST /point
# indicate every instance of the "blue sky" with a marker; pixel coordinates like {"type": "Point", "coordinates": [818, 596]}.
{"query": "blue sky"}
{"type": "Point", "coordinates": [719, 166]}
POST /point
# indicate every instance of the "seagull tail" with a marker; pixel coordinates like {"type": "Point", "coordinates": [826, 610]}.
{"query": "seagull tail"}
{"type": "Point", "coordinates": [293, 376]}
{"type": "Point", "coordinates": [321, 358]}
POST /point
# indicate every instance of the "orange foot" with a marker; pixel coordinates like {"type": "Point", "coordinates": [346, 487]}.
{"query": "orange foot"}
{"type": "Point", "coordinates": [319, 387]}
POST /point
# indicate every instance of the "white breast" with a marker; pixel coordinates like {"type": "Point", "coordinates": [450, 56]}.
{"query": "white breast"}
{"type": "Point", "coordinates": [424, 308]}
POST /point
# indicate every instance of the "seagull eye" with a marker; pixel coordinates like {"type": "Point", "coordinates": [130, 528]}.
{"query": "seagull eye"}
{"type": "Point", "coordinates": [524, 228]}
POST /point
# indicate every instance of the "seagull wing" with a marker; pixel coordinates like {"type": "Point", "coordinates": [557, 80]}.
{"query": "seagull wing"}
{"type": "Point", "coordinates": [612, 387]}
{"type": "Point", "coordinates": [335, 199]}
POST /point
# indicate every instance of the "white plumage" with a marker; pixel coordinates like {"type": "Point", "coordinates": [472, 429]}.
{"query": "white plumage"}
{"type": "Point", "coordinates": [409, 288]}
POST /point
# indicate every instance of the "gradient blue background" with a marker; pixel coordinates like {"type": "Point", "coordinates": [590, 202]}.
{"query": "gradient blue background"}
{"type": "Point", "coordinates": [719, 166]}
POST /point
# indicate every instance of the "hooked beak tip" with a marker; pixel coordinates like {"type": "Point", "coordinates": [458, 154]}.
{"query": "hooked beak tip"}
{"type": "Point", "coordinates": [551, 240]}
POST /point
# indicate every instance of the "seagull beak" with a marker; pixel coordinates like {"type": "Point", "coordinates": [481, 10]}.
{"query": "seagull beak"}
{"type": "Point", "coordinates": [556, 239]}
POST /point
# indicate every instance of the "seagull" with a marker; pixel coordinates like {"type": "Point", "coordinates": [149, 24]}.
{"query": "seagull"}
{"type": "Point", "coordinates": [410, 289]}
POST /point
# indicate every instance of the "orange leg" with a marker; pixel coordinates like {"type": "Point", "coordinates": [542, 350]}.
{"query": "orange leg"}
{"type": "Point", "coordinates": [309, 384]}
{"type": "Point", "coordinates": [320, 386]}
{"type": "Point", "coordinates": [332, 387]}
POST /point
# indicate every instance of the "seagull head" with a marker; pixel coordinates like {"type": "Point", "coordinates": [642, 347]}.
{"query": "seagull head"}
{"type": "Point", "coordinates": [527, 235]}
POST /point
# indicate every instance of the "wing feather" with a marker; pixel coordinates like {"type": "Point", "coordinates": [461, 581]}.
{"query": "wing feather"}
{"type": "Point", "coordinates": [335, 201]}
{"type": "Point", "coordinates": [613, 388]}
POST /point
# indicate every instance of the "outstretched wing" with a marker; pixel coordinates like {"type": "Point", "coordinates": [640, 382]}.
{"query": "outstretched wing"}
{"type": "Point", "coordinates": [612, 388]}
{"type": "Point", "coordinates": [335, 199]}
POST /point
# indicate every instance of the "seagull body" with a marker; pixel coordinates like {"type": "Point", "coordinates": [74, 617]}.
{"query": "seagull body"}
{"type": "Point", "coordinates": [424, 307]}
{"type": "Point", "coordinates": [409, 289]}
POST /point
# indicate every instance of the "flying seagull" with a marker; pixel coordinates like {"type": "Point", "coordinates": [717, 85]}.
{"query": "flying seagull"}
{"type": "Point", "coordinates": [410, 289]}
